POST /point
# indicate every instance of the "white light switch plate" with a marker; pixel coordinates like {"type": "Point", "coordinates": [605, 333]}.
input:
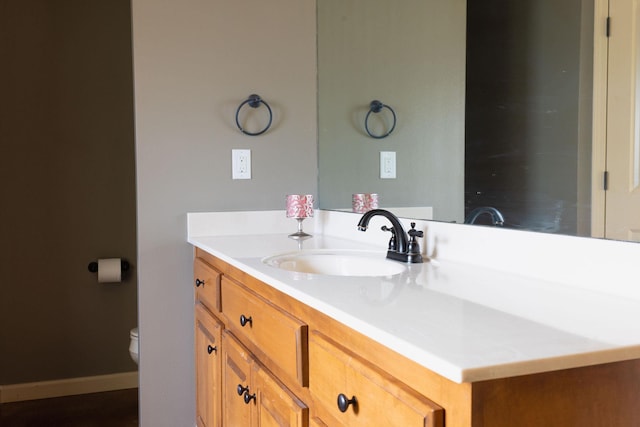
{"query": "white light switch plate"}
{"type": "Point", "coordinates": [241, 164]}
{"type": "Point", "coordinates": [388, 164]}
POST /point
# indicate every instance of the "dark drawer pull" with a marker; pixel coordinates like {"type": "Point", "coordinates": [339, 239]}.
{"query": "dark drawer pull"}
{"type": "Point", "coordinates": [242, 390]}
{"type": "Point", "coordinates": [249, 397]}
{"type": "Point", "coordinates": [211, 349]}
{"type": "Point", "coordinates": [244, 320]}
{"type": "Point", "coordinates": [199, 282]}
{"type": "Point", "coordinates": [344, 402]}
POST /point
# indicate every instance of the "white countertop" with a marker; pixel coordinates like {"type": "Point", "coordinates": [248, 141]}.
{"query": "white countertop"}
{"type": "Point", "coordinates": [464, 322]}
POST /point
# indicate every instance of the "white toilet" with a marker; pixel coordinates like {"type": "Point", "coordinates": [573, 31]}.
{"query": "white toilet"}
{"type": "Point", "coordinates": [133, 345]}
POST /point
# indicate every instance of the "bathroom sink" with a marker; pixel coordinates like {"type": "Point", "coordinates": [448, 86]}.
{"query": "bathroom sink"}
{"type": "Point", "coordinates": [336, 263]}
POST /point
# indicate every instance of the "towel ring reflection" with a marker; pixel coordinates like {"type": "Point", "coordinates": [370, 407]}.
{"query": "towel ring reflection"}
{"type": "Point", "coordinates": [375, 107]}
{"type": "Point", "coordinates": [254, 101]}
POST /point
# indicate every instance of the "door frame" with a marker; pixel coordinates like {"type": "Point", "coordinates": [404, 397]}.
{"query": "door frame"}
{"type": "Point", "coordinates": [599, 125]}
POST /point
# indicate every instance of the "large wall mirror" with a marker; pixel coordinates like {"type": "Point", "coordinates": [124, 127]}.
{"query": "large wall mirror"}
{"type": "Point", "coordinates": [493, 101]}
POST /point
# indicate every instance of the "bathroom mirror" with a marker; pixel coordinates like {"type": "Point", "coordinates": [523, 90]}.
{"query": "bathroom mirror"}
{"type": "Point", "coordinates": [493, 103]}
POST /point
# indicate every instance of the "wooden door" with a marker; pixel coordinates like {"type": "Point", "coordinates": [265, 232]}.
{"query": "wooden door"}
{"type": "Point", "coordinates": [208, 368]}
{"type": "Point", "coordinates": [276, 405]}
{"type": "Point", "coordinates": [622, 211]}
{"type": "Point", "coordinates": [236, 379]}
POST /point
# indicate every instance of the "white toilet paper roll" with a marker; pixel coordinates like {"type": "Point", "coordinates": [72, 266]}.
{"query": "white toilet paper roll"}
{"type": "Point", "coordinates": [109, 270]}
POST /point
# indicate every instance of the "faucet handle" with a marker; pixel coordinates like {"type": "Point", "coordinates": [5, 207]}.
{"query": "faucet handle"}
{"type": "Point", "coordinates": [414, 246]}
{"type": "Point", "coordinates": [392, 241]}
{"type": "Point", "coordinates": [413, 233]}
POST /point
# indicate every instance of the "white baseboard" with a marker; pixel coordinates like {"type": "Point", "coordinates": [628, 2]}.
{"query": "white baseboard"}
{"type": "Point", "coordinates": [67, 387]}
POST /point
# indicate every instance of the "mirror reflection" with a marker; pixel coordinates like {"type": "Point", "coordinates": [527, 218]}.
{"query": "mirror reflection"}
{"type": "Point", "coordinates": [493, 103]}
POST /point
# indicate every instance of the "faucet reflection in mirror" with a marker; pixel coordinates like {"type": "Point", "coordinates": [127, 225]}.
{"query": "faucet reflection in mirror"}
{"type": "Point", "coordinates": [299, 206]}
{"type": "Point", "coordinates": [496, 217]}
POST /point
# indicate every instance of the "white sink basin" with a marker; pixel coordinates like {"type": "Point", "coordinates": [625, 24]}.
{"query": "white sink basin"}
{"type": "Point", "coordinates": [336, 263]}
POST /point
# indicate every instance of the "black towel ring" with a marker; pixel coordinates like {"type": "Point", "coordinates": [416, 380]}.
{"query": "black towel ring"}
{"type": "Point", "coordinates": [375, 107]}
{"type": "Point", "coordinates": [254, 101]}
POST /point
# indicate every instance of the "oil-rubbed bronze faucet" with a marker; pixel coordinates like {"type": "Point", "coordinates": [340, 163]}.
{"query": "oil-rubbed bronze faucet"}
{"type": "Point", "coordinates": [403, 246]}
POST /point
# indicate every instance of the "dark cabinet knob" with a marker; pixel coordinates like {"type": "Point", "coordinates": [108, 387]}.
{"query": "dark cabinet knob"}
{"type": "Point", "coordinates": [211, 349]}
{"type": "Point", "coordinates": [344, 402]}
{"type": "Point", "coordinates": [249, 397]}
{"type": "Point", "coordinates": [242, 390]}
{"type": "Point", "coordinates": [199, 283]}
{"type": "Point", "coordinates": [244, 320]}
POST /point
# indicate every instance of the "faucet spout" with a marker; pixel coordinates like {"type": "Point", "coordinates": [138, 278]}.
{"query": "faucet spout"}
{"type": "Point", "coordinates": [400, 251]}
{"type": "Point", "coordinates": [401, 235]}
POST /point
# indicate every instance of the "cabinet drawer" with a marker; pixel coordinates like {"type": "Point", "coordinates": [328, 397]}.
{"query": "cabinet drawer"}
{"type": "Point", "coordinates": [267, 330]}
{"type": "Point", "coordinates": [206, 279]}
{"type": "Point", "coordinates": [374, 397]}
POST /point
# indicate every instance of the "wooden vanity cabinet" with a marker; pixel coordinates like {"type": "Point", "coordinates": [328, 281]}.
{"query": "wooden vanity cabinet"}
{"type": "Point", "coordinates": [297, 361]}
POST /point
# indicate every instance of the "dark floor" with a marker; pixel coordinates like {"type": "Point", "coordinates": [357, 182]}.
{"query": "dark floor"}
{"type": "Point", "coordinates": [109, 409]}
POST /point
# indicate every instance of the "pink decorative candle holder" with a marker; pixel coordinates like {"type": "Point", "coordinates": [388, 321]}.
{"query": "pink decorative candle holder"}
{"type": "Point", "coordinates": [300, 207]}
{"type": "Point", "coordinates": [364, 202]}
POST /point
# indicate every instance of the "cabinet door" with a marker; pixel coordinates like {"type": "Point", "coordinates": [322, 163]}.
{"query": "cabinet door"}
{"type": "Point", "coordinates": [276, 405]}
{"type": "Point", "coordinates": [236, 380]}
{"type": "Point", "coordinates": [355, 393]}
{"type": "Point", "coordinates": [208, 368]}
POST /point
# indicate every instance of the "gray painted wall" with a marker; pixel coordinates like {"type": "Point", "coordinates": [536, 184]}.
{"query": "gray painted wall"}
{"type": "Point", "coordinates": [68, 188]}
{"type": "Point", "coordinates": [194, 63]}
{"type": "Point", "coordinates": [411, 56]}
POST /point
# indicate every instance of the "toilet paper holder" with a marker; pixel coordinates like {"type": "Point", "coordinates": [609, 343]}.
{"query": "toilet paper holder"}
{"type": "Point", "coordinates": [124, 266]}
